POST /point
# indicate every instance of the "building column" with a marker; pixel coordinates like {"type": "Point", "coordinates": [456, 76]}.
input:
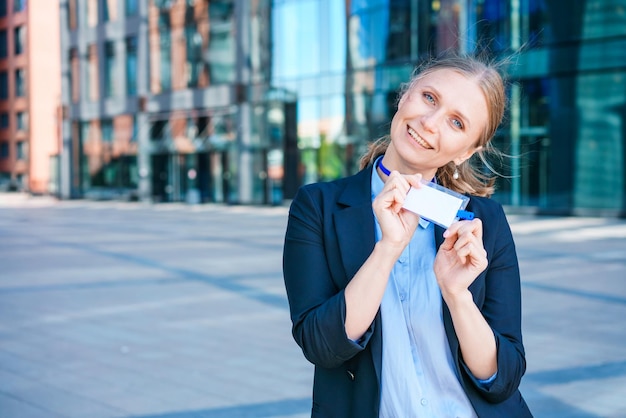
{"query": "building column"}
{"type": "Point", "coordinates": [65, 152]}
{"type": "Point", "coordinates": [245, 183]}
{"type": "Point", "coordinates": [144, 163]}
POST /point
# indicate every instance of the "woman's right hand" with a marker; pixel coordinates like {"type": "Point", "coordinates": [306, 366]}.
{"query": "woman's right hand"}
{"type": "Point", "coordinates": [396, 223]}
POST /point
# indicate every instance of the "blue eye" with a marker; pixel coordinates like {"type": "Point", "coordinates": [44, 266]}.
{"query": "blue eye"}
{"type": "Point", "coordinates": [429, 98]}
{"type": "Point", "coordinates": [457, 123]}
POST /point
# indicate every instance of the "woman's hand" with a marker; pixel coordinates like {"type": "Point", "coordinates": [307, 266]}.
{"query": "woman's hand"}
{"type": "Point", "coordinates": [396, 223]}
{"type": "Point", "coordinates": [461, 257]}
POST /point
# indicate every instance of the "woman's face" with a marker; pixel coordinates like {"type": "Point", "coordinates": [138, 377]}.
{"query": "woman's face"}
{"type": "Point", "coordinates": [438, 120]}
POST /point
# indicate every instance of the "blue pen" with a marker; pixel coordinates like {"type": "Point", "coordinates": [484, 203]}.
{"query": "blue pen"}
{"type": "Point", "coordinates": [465, 215]}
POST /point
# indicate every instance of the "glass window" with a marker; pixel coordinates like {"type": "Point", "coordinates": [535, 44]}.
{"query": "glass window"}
{"type": "Point", "coordinates": [221, 49]}
{"type": "Point", "coordinates": [19, 39]}
{"type": "Point", "coordinates": [493, 24]}
{"type": "Point", "coordinates": [4, 150]}
{"type": "Point", "coordinates": [106, 125]}
{"type": "Point", "coordinates": [158, 130]}
{"type": "Point", "coordinates": [109, 69]}
{"type": "Point", "coordinates": [599, 143]}
{"type": "Point", "coordinates": [21, 119]}
{"type": "Point", "coordinates": [92, 73]}
{"type": "Point", "coordinates": [132, 7]}
{"type": "Point", "coordinates": [20, 83]}
{"type": "Point", "coordinates": [74, 75]}
{"type": "Point", "coordinates": [4, 85]}
{"type": "Point", "coordinates": [4, 120]}
{"type": "Point", "coordinates": [310, 49]}
{"type": "Point", "coordinates": [583, 20]}
{"type": "Point", "coordinates": [260, 39]}
{"type": "Point", "coordinates": [202, 125]}
{"type": "Point", "coordinates": [86, 155]}
{"type": "Point", "coordinates": [370, 37]}
{"type": "Point", "coordinates": [165, 52]}
{"type": "Point", "coordinates": [131, 65]}
{"type": "Point", "coordinates": [399, 45]}
{"type": "Point", "coordinates": [295, 25]}
{"type": "Point", "coordinates": [536, 23]}
{"type": "Point", "coordinates": [72, 14]}
{"type": "Point", "coordinates": [19, 5]}
{"type": "Point", "coordinates": [4, 47]}
{"type": "Point", "coordinates": [109, 12]}
{"type": "Point", "coordinates": [193, 44]}
{"type": "Point", "coordinates": [20, 150]}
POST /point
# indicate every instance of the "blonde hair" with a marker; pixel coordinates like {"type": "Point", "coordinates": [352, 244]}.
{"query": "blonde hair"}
{"type": "Point", "coordinates": [472, 178]}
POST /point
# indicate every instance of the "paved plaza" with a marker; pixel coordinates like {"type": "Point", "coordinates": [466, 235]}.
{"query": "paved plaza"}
{"type": "Point", "coordinates": [118, 309]}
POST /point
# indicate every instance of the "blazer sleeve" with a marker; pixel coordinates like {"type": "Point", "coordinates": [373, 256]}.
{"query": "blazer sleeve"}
{"type": "Point", "coordinates": [316, 301]}
{"type": "Point", "coordinates": [500, 303]}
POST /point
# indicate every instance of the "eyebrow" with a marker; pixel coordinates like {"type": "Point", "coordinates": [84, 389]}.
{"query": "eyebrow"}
{"type": "Point", "coordinates": [458, 112]}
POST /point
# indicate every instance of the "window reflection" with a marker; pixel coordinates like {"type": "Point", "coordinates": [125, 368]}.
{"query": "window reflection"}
{"type": "Point", "coordinates": [4, 46]}
{"type": "Point", "coordinates": [131, 65]}
{"type": "Point", "coordinates": [19, 39]}
{"type": "Point", "coordinates": [131, 7]}
{"type": "Point", "coordinates": [108, 155]}
{"type": "Point", "coordinates": [493, 24]}
{"type": "Point", "coordinates": [109, 69]}
{"type": "Point", "coordinates": [165, 53]}
{"type": "Point", "coordinates": [20, 82]}
{"type": "Point", "coordinates": [74, 83]}
{"type": "Point", "coordinates": [220, 55]}
{"type": "Point", "coordinates": [204, 53]}
{"type": "Point", "coordinates": [4, 85]}
{"type": "Point", "coordinates": [92, 73]}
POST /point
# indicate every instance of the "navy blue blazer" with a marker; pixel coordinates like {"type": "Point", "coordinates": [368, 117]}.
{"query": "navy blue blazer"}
{"type": "Point", "coordinates": [330, 233]}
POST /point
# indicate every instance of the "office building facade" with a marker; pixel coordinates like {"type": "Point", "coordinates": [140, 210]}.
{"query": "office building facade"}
{"type": "Point", "coordinates": [162, 99]}
{"type": "Point", "coordinates": [243, 101]}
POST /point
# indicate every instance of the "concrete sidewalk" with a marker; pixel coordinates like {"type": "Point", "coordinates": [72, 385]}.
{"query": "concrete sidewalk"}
{"type": "Point", "coordinates": [116, 309]}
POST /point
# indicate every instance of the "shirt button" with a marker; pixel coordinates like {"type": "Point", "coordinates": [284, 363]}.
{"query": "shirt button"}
{"type": "Point", "coordinates": [402, 297]}
{"type": "Point", "coordinates": [424, 402]}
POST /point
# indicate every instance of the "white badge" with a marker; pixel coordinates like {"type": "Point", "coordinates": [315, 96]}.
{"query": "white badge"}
{"type": "Point", "coordinates": [437, 204]}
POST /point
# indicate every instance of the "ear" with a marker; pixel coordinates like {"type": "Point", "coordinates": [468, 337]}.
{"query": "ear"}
{"type": "Point", "coordinates": [465, 156]}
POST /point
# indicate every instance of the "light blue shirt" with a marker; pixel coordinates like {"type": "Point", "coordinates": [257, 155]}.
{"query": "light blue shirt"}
{"type": "Point", "coordinates": [418, 371]}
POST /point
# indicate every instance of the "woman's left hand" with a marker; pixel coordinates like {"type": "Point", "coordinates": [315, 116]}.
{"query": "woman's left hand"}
{"type": "Point", "coordinates": [461, 257]}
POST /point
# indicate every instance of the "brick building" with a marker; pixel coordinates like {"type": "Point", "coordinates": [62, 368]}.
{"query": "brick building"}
{"type": "Point", "coordinates": [30, 94]}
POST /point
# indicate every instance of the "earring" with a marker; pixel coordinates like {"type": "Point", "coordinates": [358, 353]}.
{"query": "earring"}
{"type": "Point", "coordinates": [456, 173]}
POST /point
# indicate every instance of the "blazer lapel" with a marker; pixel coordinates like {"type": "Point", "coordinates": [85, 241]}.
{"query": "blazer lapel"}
{"type": "Point", "coordinates": [354, 222]}
{"type": "Point", "coordinates": [356, 233]}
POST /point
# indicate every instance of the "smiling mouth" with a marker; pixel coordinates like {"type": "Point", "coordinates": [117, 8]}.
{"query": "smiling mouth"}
{"type": "Point", "coordinates": [419, 139]}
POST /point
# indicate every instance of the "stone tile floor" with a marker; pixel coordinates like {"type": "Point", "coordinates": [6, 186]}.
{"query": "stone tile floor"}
{"type": "Point", "coordinates": [113, 309]}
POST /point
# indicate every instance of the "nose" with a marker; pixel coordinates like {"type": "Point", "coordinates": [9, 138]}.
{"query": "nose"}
{"type": "Point", "coordinates": [430, 120]}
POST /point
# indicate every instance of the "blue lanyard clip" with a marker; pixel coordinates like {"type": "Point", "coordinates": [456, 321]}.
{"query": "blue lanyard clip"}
{"type": "Point", "coordinates": [465, 215]}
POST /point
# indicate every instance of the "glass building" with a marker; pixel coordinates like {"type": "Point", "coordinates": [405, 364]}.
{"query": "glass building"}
{"type": "Point", "coordinates": [243, 101]}
{"type": "Point", "coordinates": [565, 126]}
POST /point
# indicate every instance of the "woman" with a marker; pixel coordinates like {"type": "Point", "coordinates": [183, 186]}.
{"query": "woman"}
{"type": "Point", "coordinates": [402, 318]}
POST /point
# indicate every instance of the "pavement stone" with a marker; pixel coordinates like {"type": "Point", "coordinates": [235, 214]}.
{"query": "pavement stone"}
{"type": "Point", "coordinates": [130, 309]}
